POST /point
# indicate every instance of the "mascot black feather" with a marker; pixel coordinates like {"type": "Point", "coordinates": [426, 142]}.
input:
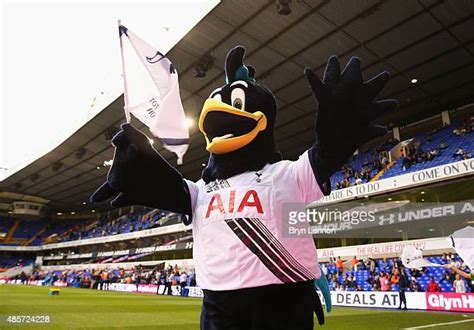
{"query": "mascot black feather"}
{"type": "Point", "coordinates": [252, 275]}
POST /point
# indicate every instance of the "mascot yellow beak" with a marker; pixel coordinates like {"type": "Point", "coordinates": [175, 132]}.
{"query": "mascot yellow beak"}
{"type": "Point", "coordinates": [227, 128]}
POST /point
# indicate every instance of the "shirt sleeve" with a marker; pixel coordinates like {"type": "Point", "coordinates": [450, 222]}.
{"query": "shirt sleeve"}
{"type": "Point", "coordinates": [193, 189]}
{"type": "Point", "coordinates": [302, 171]}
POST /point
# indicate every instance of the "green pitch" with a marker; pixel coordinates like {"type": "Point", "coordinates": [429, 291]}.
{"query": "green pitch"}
{"type": "Point", "coordinates": [80, 308]}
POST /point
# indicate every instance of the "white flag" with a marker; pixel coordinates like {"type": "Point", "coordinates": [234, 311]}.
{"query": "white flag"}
{"type": "Point", "coordinates": [462, 242]}
{"type": "Point", "coordinates": [152, 92]}
{"type": "Point", "coordinates": [413, 258]}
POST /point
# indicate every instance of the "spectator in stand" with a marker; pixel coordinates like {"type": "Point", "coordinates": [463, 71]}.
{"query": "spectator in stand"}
{"type": "Point", "coordinates": [443, 145]}
{"type": "Point", "coordinates": [86, 282]}
{"type": "Point", "coordinates": [435, 152]}
{"type": "Point", "coordinates": [394, 279]}
{"type": "Point", "coordinates": [397, 263]}
{"type": "Point", "coordinates": [415, 272]}
{"type": "Point", "coordinates": [406, 162]}
{"type": "Point", "coordinates": [168, 282]}
{"type": "Point", "coordinates": [351, 282]}
{"type": "Point", "coordinates": [23, 278]}
{"type": "Point", "coordinates": [182, 282]}
{"type": "Point", "coordinates": [433, 286]}
{"type": "Point", "coordinates": [104, 280]}
{"type": "Point", "coordinates": [339, 266]}
{"type": "Point", "coordinates": [459, 153]}
{"type": "Point", "coordinates": [458, 284]}
{"type": "Point", "coordinates": [95, 279]}
{"type": "Point", "coordinates": [414, 286]}
{"type": "Point", "coordinates": [403, 285]}
{"type": "Point", "coordinates": [158, 279]}
{"type": "Point", "coordinates": [324, 269]}
{"type": "Point", "coordinates": [376, 165]}
{"type": "Point", "coordinates": [333, 285]}
{"type": "Point", "coordinates": [465, 128]}
{"type": "Point", "coordinates": [458, 262]}
{"type": "Point", "coordinates": [468, 275]}
{"type": "Point", "coordinates": [448, 277]}
{"type": "Point", "coordinates": [370, 279]}
{"type": "Point", "coordinates": [354, 263]}
{"type": "Point", "coordinates": [345, 280]}
{"type": "Point", "coordinates": [371, 266]}
{"type": "Point", "coordinates": [332, 261]}
{"type": "Point", "coordinates": [384, 282]}
{"type": "Point", "coordinates": [376, 283]}
{"type": "Point", "coordinates": [192, 278]}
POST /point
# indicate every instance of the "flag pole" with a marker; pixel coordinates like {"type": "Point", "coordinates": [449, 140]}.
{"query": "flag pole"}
{"type": "Point", "coordinates": [125, 90]}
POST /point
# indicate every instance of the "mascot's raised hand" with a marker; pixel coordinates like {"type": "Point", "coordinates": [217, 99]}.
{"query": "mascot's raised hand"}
{"type": "Point", "coordinates": [138, 175]}
{"type": "Point", "coordinates": [346, 115]}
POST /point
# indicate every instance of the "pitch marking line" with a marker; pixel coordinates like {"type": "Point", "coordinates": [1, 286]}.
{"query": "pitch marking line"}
{"type": "Point", "coordinates": [438, 324]}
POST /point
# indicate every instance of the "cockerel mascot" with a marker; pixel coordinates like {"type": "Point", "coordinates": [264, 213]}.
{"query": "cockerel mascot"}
{"type": "Point", "coordinates": [253, 276]}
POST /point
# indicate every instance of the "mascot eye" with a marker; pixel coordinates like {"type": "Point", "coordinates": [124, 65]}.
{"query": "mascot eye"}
{"type": "Point", "coordinates": [237, 103]}
{"type": "Point", "coordinates": [217, 97]}
{"type": "Point", "coordinates": [238, 98]}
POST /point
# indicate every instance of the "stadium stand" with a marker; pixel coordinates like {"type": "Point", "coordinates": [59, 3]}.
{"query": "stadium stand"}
{"type": "Point", "coordinates": [95, 278]}
{"type": "Point", "coordinates": [131, 222]}
{"type": "Point", "coordinates": [14, 261]}
{"type": "Point", "coordinates": [444, 141]}
{"type": "Point", "coordinates": [432, 148]}
{"type": "Point", "coordinates": [361, 278]}
{"type": "Point", "coordinates": [41, 231]}
{"type": "Point", "coordinates": [357, 278]}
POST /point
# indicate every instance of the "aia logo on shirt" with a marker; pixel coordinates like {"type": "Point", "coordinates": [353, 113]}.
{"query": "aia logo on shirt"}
{"type": "Point", "coordinates": [222, 206]}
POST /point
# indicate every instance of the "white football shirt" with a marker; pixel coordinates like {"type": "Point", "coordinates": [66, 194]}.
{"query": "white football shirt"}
{"type": "Point", "coordinates": [238, 231]}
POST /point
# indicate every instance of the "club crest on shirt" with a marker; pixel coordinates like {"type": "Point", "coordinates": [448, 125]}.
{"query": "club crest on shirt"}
{"type": "Point", "coordinates": [217, 185]}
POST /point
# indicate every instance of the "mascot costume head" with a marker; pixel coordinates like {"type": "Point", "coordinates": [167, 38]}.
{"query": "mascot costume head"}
{"type": "Point", "coordinates": [237, 121]}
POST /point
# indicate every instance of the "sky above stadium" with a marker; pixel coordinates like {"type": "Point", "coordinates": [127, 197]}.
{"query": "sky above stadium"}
{"type": "Point", "coordinates": [61, 65]}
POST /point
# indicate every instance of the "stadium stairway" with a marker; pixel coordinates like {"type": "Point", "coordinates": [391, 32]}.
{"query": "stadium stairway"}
{"type": "Point", "coordinates": [35, 236]}
{"type": "Point", "coordinates": [12, 230]}
{"type": "Point", "coordinates": [382, 171]}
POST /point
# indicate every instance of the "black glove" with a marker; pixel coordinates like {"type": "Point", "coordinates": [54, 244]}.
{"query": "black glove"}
{"type": "Point", "coordinates": [140, 176]}
{"type": "Point", "coordinates": [346, 115]}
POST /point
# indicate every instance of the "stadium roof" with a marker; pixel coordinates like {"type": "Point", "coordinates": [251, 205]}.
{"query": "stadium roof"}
{"type": "Point", "coordinates": [430, 41]}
